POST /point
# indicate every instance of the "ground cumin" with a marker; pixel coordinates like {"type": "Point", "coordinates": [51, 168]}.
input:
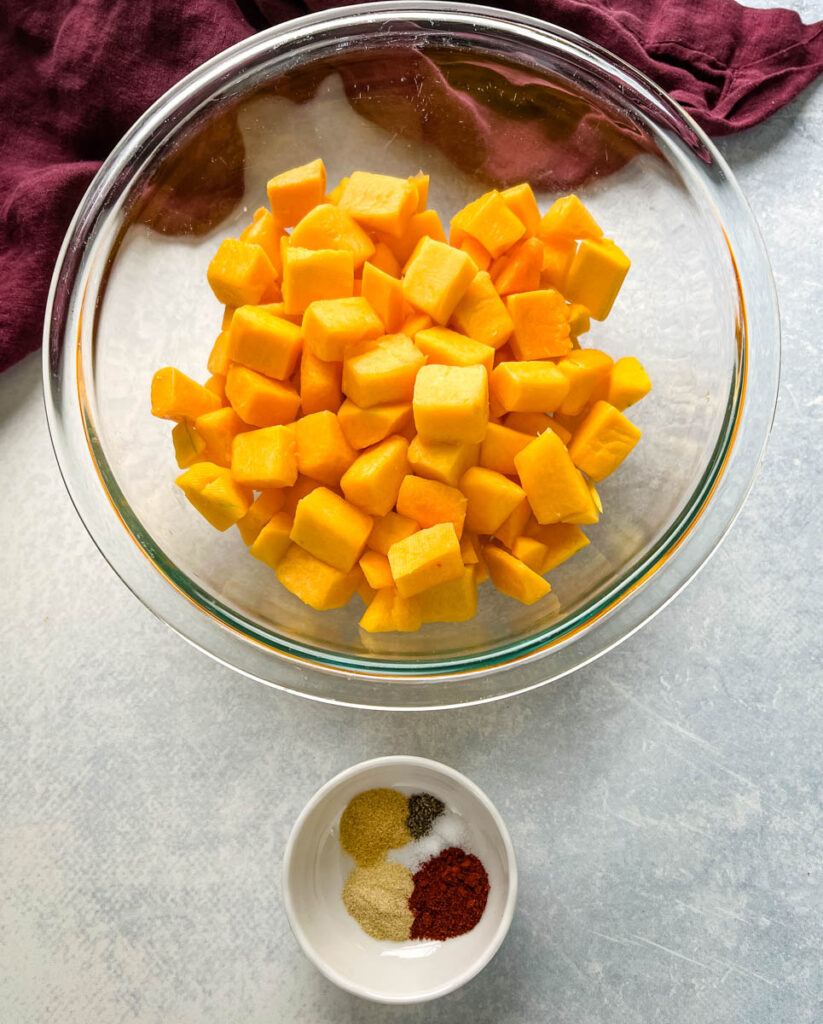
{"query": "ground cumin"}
{"type": "Point", "coordinates": [373, 823]}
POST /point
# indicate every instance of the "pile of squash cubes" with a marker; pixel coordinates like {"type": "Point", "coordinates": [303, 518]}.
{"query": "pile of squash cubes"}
{"type": "Point", "coordinates": [401, 414]}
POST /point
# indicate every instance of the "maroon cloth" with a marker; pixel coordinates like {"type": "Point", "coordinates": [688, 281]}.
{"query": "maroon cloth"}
{"type": "Point", "coordinates": [77, 73]}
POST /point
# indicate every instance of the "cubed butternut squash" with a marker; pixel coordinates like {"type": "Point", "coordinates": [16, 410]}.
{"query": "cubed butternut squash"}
{"type": "Point", "coordinates": [264, 342]}
{"type": "Point", "coordinates": [628, 383]}
{"type": "Point", "coordinates": [380, 202]}
{"type": "Point", "coordinates": [383, 374]}
{"type": "Point", "coordinates": [436, 279]}
{"type": "Point", "coordinates": [331, 528]}
{"type": "Point", "coordinates": [426, 558]}
{"type": "Point", "coordinates": [451, 601]}
{"type": "Point", "coordinates": [521, 201]}
{"type": "Point", "coordinates": [499, 447]}
{"type": "Point", "coordinates": [240, 273]}
{"type": "Point", "coordinates": [312, 274]}
{"type": "Point", "coordinates": [321, 383]}
{"type": "Point", "coordinates": [443, 462]}
{"type": "Point", "coordinates": [429, 502]}
{"type": "Point", "coordinates": [596, 275]}
{"type": "Point", "coordinates": [329, 227]}
{"type": "Point", "coordinates": [451, 404]}
{"type": "Point", "coordinates": [264, 458]}
{"type": "Point", "coordinates": [174, 396]}
{"type": "Point", "coordinates": [389, 529]}
{"type": "Point", "coordinates": [296, 191]}
{"type": "Point", "coordinates": [513, 577]}
{"type": "Point", "coordinates": [189, 446]}
{"type": "Point", "coordinates": [529, 386]}
{"type": "Point", "coordinates": [560, 540]}
{"type": "Point", "coordinates": [216, 495]}
{"type": "Point", "coordinates": [491, 498]}
{"type": "Point", "coordinates": [555, 487]}
{"type": "Point", "coordinates": [258, 400]}
{"type": "Point", "coordinates": [334, 327]}
{"type": "Point", "coordinates": [377, 570]}
{"type": "Point", "coordinates": [266, 231]}
{"type": "Point", "coordinates": [442, 346]}
{"type": "Point", "coordinates": [492, 222]}
{"type": "Point", "coordinates": [602, 441]}
{"type": "Point", "coordinates": [481, 313]}
{"type": "Point", "coordinates": [363, 427]}
{"type": "Point", "coordinates": [272, 540]}
{"type": "Point", "coordinates": [568, 218]}
{"type": "Point", "coordinates": [588, 372]}
{"type": "Point", "coordinates": [323, 453]}
{"type": "Point", "coordinates": [384, 294]}
{"type": "Point", "coordinates": [260, 512]}
{"type": "Point", "coordinates": [314, 582]}
{"type": "Point", "coordinates": [372, 481]}
{"type": "Point", "coordinates": [541, 324]}
{"type": "Point", "coordinates": [219, 429]}
{"type": "Point", "coordinates": [390, 612]}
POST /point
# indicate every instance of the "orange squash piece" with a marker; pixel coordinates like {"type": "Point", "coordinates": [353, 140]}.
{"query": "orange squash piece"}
{"type": "Point", "coordinates": [329, 227]}
{"type": "Point", "coordinates": [437, 278]}
{"type": "Point", "coordinates": [294, 192]}
{"type": "Point", "coordinates": [519, 271]}
{"type": "Point", "coordinates": [264, 342]}
{"type": "Point", "coordinates": [266, 231]}
{"type": "Point", "coordinates": [426, 558]}
{"type": "Point", "coordinates": [323, 453]}
{"type": "Point", "coordinates": [429, 502]}
{"type": "Point", "coordinates": [380, 202]}
{"type": "Point", "coordinates": [541, 324]}
{"type": "Point", "coordinates": [314, 582]}
{"type": "Point", "coordinates": [311, 274]}
{"type": "Point", "coordinates": [320, 384]}
{"type": "Point", "coordinates": [174, 396]}
{"type": "Point", "coordinates": [240, 273]}
{"type": "Point", "coordinates": [258, 400]}
{"type": "Point", "coordinates": [481, 313]}
{"type": "Point", "coordinates": [373, 480]}
{"type": "Point", "coordinates": [334, 327]}
{"type": "Point", "coordinates": [384, 294]}
{"type": "Point", "coordinates": [330, 528]}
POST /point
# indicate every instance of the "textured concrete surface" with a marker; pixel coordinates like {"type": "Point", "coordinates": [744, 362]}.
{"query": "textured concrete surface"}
{"type": "Point", "coordinates": [665, 803]}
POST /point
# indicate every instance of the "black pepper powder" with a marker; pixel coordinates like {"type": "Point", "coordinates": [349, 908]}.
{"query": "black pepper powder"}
{"type": "Point", "coordinates": [423, 809]}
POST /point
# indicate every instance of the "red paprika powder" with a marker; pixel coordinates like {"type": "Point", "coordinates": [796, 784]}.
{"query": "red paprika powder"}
{"type": "Point", "coordinates": [449, 896]}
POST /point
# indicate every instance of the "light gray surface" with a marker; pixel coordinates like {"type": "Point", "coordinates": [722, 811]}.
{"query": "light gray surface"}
{"type": "Point", "coordinates": [665, 804]}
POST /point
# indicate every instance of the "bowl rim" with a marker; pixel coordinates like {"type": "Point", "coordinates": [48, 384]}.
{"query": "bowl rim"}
{"type": "Point", "coordinates": [505, 655]}
{"type": "Point", "coordinates": [497, 937]}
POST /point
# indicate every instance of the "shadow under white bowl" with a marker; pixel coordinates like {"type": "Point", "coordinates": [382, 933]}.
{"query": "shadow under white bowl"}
{"type": "Point", "coordinates": [315, 868]}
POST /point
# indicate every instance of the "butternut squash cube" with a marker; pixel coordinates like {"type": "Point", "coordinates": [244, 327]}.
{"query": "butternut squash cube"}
{"type": "Point", "coordinates": [272, 541]}
{"type": "Point", "coordinates": [189, 446]}
{"type": "Point", "coordinates": [294, 192]}
{"type": "Point", "coordinates": [451, 601]}
{"type": "Point", "coordinates": [587, 371]}
{"type": "Point", "coordinates": [602, 441]}
{"type": "Point", "coordinates": [332, 327]}
{"type": "Point", "coordinates": [451, 404]}
{"type": "Point", "coordinates": [311, 274]}
{"type": "Point", "coordinates": [556, 259]}
{"type": "Point", "coordinates": [492, 223]}
{"type": "Point", "coordinates": [469, 549]}
{"type": "Point", "coordinates": [428, 502]}
{"type": "Point", "coordinates": [530, 386]}
{"type": "Point", "coordinates": [219, 357]}
{"type": "Point", "coordinates": [556, 489]}
{"type": "Point", "coordinates": [628, 383]}
{"type": "Point", "coordinates": [240, 273]}
{"type": "Point", "coordinates": [448, 348]}
{"type": "Point", "coordinates": [513, 527]}
{"type": "Point", "coordinates": [258, 400]}
{"type": "Point", "coordinates": [383, 374]}
{"type": "Point", "coordinates": [314, 582]}
{"type": "Point", "coordinates": [261, 511]}
{"type": "Point", "coordinates": [443, 462]}
{"type": "Point", "coordinates": [266, 231]}
{"type": "Point", "coordinates": [329, 227]}
{"type": "Point", "coordinates": [520, 269]}
{"type": "Point", "coordinates": [219, 498]}
{"type": "Point", "coordinates": [265, 458]}
{"type": "Point", "coordinates": [219, 429]}
{"type": "Point", "coordinates": [380, 202]}
{"type": "Point", "coordinates": [363, 427]}
{"type": "Point", "coordinates": [264, 342]}
{"type": "Point", "coordinates": [491, 498]}
{"type": "Point", "coordinates": [320, 384]}
{"type": "Point", "coordinates": [174, 396]}
{"type": "Point", "coordinates": [377, 570]}
{"type": "Point", "coordinates": [531, 552]}
{"type": "Point", "coordinates": [520, 200]}
{"type": "Point", "coordinates": [384, 294]}
{"type": "Point", "coordinates": [330, 528]}
{"type": "Point", "coordinates": [436, 279]}
{"type": "Point", "coordinates": [541, 324]}
{"type": "Point", "coordinates": [560, 540]}
{"type": "Point", "coordinates": [337, 191]}
{"type": "Point", "coordinates": [373, 480]}
{"type": "Point", "coordinates": [481, 313]}
{"type": "Point", "coordinates": [390, 612]}
{"type": "Point", "coordinates": [389, 529]}
{"type": "Point", "coordinates": [323, 452]}
{"type": "Point", "coordinates": [499, 447]}
{"type": "Point", "coordinates": [596, 275]}
{"type": "Point", "coordinates": [426, 558]}
{"type": "Point", "coordinates": [567, 217]}
{"type": "Point", "coordinates": [512, 577]}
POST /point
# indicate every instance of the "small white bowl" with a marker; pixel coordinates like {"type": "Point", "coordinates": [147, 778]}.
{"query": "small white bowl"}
{"type": "Point", "coordinates": [315, 868]}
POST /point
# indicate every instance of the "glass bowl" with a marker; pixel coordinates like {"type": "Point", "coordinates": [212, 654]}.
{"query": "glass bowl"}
{"type": "Point", "coordinates": [478, 98]}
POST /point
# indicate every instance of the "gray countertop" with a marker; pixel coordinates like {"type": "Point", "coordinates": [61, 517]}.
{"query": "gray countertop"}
{"type": "Point", "coordinates": [664, 803]}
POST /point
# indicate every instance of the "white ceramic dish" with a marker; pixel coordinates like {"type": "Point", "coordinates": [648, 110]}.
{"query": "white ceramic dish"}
{"type": "Point", "coordinates": [315, 868]}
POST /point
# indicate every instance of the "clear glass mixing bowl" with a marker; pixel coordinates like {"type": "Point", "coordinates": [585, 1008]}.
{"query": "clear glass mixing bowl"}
{"type": "Point", "coordinates": [478, 98]}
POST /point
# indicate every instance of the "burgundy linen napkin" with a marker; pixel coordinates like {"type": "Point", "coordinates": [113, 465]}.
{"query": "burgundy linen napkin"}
{"type": "Point", "coordinates": [77, 74]}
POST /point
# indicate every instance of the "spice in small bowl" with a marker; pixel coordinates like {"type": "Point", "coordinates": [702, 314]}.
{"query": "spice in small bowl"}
{"type": "Point", "coordinates": [436, 890]}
